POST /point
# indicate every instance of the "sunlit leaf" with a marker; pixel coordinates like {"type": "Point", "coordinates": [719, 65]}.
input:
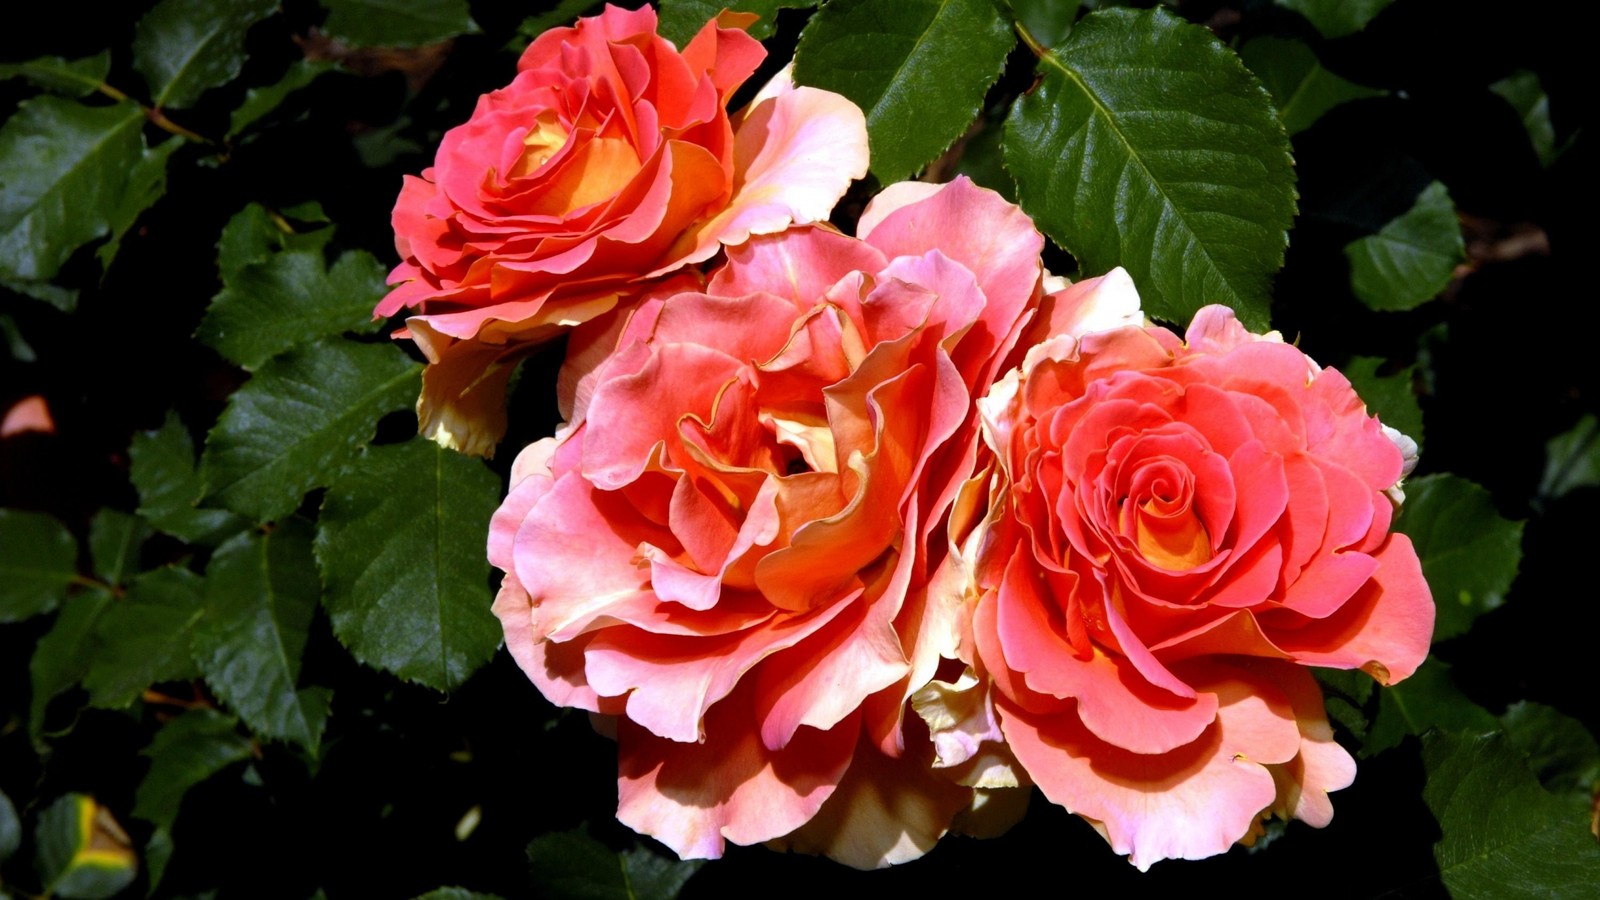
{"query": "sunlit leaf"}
{"type": "Point", "coordinates": [186, 751]}
{"type": "Point", "coordinates": [397, 23]}
{"type": "Point", "coordinates": [1148, 145]}
{"type": "Point", "coordinates": [38, 561]}
{"type": "Point", "coordinates": [66, 172]}
{"type": "Point", "coordinates": [185, 47]}
{"type": "Point", "coordinates": [82, 853]}
{"type": "Point", "coordinates": [1336, 18]}
{"type": "Point", "coordinates": [72, 77]}
{"type": "Point", "coordinates": [261, 592]}
{"type": "Point", "coordinates": [291, 299]}
{"type": "Point", "coordinates": [1469, 553]}
{"type": "Point", "coordinates": [1410, 260]}
{"type": "Point", "coordinates": [297, 423]}
{"type": "Point", "coordinates": [919, 70]}
{"type": "Point", "coordinates": [681, 20]}
{"type": "Point", "coordinates": [1502, 834]}
{"type": "Point", "coordinates": [1301, 88]}
{"type": "Point", "coordinates": [407, 580]}
{"type": "Point", "coordinates": [143, 637]}
{"type": "Point", "coordinates": [1428, 699]}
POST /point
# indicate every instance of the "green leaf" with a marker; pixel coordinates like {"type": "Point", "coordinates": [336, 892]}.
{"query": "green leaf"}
{"type": "Point", "coordinates": [1301, 88]}
{"type": "Point", "coordinates": [1389, 397]}
{"type": "Point", "coordinates": [1469, 553]}
{"type": "Point", "coordinates": [147, 182]}
{"type": "Point", "coordinates": [61, 658]}
{"type": "Point", "coordinates": [163, 470]}
{"type": "Point", "coordinates": [255, 235]}
{"type": "Point", "coordinates": [186, 751]}
{"type": "Point", "coordinates": [144, 637]}
{"type": "Point", "coordinates": [72, 77]}
{"type": "Point", "coordinates": [407, 580]}
{"type": "Point", "coordinates": [1503, 835]}
{"type": "Point", "coordinates": [66, 172]}
{"type": "Point", "coordinates": [1428, 699]}
{"type": "Point", "coordinates": [10, 828]}
{"type": "Point", "coordinates": [16, 345]}
{"type": "Point", "coordinates": [297, 423]}
{"type": "Point", "coordinates": [38, 560]}
{"type": "Point", "coordinates": [261, 592]}
{"type": "Point", "coordinates": [918, 69]}
{"type": "Point", "coordinates": [1526, 95]}
{"type": "Point", "coordinates": [1410, 260]}
{"type": "Point", "coordinates": [260, 101]}
{"type": "Point", "coordinates": [185, 47]}
{"type": "Point", "coordinates": [1336, 18]}
{"type": "Point", "coordinates": [456, 893]}
{"type": "Point", "coordinates": [83, 854]}
{"type": "Point", "coordinates": [61, 298]}
{"type": "Point", "coordinates": [114, 541]}
{"type": "Point", "coordinates": [157, 853]}
{"type": "Point", "coordinates": [1149, 145]}
{"type": "Point", "coordinates": [574, 865]}
{"type": "Point", "coordinates": [681, 20]}
{"type": "Point", "coordinates": [291, 299]}
{"type": "Point", "coordinates": [1572, 460]}
{"type": "Point", "coordinates": [397, 23]}
{"type": "Point", "coordinates": [1560, 751]}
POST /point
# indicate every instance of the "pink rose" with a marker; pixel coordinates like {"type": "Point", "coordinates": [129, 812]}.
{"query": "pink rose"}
{"type": "Point", "coordinates": [610, 159]}
{"type": "Point", "coordinates": [729, 546]}
{"type": "Point", "coordinates": [1178, 528]}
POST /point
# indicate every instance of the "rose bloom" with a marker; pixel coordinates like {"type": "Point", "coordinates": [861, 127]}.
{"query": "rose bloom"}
{"type": "Point", "coordinates": [1176, 528]}
{"type": "Point", "coordinates": [610, 159]}
{"type": "Point", "coordinates": [728, 547]}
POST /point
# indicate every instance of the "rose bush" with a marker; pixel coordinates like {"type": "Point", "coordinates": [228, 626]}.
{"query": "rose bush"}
{"type": "Point", "coordinates": [610, 159]}
{"type": "Point", "coordinates": [728, 548]}
{"type": "Point", "coordinates": [1177, 528]}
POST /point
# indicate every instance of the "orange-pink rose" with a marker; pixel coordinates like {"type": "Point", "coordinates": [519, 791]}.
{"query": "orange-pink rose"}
{"type": "Point", "coordinates": [1178, 527]}
{"type": "Point", "coordinates": [729, 546]}
{"type": "Point", "coordinates": [609, 160]}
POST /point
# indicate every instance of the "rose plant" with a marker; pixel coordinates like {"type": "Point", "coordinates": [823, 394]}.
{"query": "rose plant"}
{"type": "Point", "coordinates": [608, 161]}
{"type": "Point", "coordinates": [1178, 528]}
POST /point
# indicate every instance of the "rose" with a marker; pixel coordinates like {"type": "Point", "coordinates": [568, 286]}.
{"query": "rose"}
{"type": "Point", "coordinates": [610, 159]}
{"type": "Point", "coordinates": [729, 546]}
{"type": "Point", "coordinates": [1178, 527]}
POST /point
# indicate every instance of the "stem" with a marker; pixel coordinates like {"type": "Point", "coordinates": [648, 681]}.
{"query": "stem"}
{"type": "Point", "coordinates": [160, 120]}
{"type": "Point", "coordinates": [111, 92]}
{"type": "Point", "coordinates": [1032, 43]}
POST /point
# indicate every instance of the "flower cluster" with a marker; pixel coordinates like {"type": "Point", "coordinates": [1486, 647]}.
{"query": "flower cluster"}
{"type": "Point", "coordinates": [852, 539]}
